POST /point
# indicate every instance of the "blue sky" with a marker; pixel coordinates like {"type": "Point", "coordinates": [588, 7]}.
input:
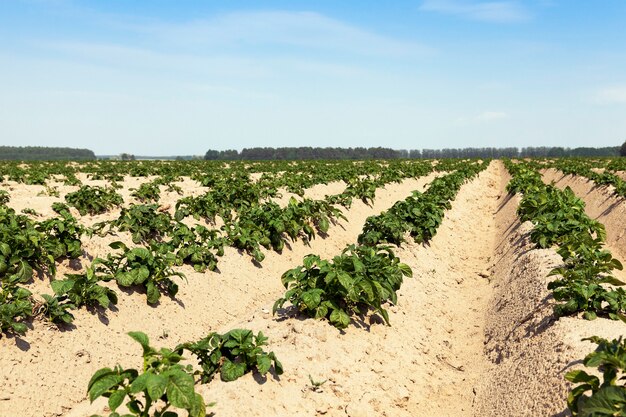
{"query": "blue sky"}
{"type": "Point", "coordinates": [180, 77]}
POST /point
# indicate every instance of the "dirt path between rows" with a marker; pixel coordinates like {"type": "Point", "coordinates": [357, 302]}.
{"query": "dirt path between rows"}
{"type": "Point", "coordinates": [529, 348]}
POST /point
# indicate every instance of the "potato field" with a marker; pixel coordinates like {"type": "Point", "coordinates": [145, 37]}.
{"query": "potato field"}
{"type": "Point", "coordinates": [313, 288]}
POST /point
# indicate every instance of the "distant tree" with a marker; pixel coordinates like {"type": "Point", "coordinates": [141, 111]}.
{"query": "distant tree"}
{"type": "Point", "coordinates": [622, 150]}
{"type": "Point", "coordinates": [43, 153]}
{"type": "Point", "coordinates": [127, 157]}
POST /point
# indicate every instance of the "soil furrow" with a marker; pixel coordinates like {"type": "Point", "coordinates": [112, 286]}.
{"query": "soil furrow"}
{"type": "Point", "coordinates": [205, 302]}
{"type": "Point", "coordinates": [429, 362]}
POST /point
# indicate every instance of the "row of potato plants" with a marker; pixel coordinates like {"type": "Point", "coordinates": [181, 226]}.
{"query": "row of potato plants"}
{"type": "Point", "coordinates": [166, 242]}
{"type": "Point", "coordinates": [249, 222]}
{"type": "Point", "coordinates": [290, 174]}
{"type": "Point", "coordinates": [584, 168]}
{"type": "Point", "coordinates": [27, 246]}
{"type": "Point", "coordinates": [118, 383]}
{"type": "Point", "coordinates": [164, 383]}
{"type": "Point", "coordinates": [585, 284]}
{"type": "Point", "coordinates": [420, 214]}
{"type": "Point", "coordinates": [234, 358]}
{"type": "Point", "coordinates": [585, 281]}
{"type": "Point", "coordinates": [369, 274]}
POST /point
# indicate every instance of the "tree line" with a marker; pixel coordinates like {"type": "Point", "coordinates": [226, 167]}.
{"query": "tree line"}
{"type": "Point", "coordinates": [306, 152]}
{"type": "Point", "coordinates": [43, 153]}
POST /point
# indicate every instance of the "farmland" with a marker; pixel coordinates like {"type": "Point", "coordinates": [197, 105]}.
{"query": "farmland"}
{"type": "Point", "coordinates": [392, 288]}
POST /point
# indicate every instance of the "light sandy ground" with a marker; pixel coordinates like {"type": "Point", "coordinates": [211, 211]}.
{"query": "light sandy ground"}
{"type": "Point", "coordinates": [530, 350]}
{"type": "Point", "coordinates": [204, 303]}
{"type": "Point", "coordinates": [472, 334]}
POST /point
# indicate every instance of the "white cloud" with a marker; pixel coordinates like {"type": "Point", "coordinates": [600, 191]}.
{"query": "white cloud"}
{"type": "Point", "coordinates": [490, 11]}
{"type": "Point", "coordinates": [611, 95]}
{"type": "Point", "coordinates": [306, 30]}
{"type": "Point", "coordinates": [484, 117]}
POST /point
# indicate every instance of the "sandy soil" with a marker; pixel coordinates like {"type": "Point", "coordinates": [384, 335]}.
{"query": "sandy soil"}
{"type": "Point", "coordinates": [472, 334]}
{"type": "Point", "coordinates": [204, 303]}
{"type": "Point", "coordinates": [529, 349]}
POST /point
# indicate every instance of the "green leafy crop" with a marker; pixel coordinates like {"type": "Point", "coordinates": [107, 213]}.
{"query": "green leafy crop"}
{"type": "Point", "coordinates": [161, 384]}
{"type": "Point", "coordinates": [600, 397]}
{"type": "Point", "coordinates": [164, 383]}
{"type": "Point", "coordinates": [149, 267]}
{"type": "Point", "coordinates": [233, 354]}
{"type": "Point", "coordinates": [85, 290]}
{"type": "Point", "coordinates": [559, 219]}
{"type": "Point", "coordinates": [144, 221]}
{"type": "Point", "coordinates": [361, 276]}
{"type": "Point", "coordinates": [57, 308]}
{"type": "Point", "coordinates": [93, 200]}
{"type": "Point", "coordinates": [15, 306]}
{"type": "Point", "coordinates": [146, 192]}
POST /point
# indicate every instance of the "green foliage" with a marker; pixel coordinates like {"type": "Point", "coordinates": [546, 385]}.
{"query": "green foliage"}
{"type": "Point", "coordinates": [197, 246]}
{"type": "Point", "coordinates": [85, 290]}
{"type": "Point", "coordinates": [164, 383]}
{"type": "Point", "coordinates": [600, 397]}
{"type": "Point", "coordinates": [383, 228]}
{"type": "Point", "coordinates": [363, 189]}
{"type": "Point", "coordinates": [93, 200]}
{"type": "Point", "coordinates": [62, 234]}
{"type": "Point", "coordinates": [557, 214]}
{"type": "Point", "coordinates": [583, 167]}
{"type": "Point", "coordinates": [15, 307]}
{"type": "Point", "coordinates": [559, 219]}
{"type": "Point", "coordinates": [32, 153]}
{"type": "Point", "coordinates": [149, 267]}
{"type": "Point", "coordinates": [4, 197]}
{"type": "Point", "coordinates": [22, 247]}
{"type": "Point", "coordinates": [148, 191]}
{"type": "Point", "coordinates": [56, 308]}
{"type": "Point", "coordinates": [161, 384]}
{"type": "Point", "coordinates": [524, 180]}
{"type": "Point", "coordinates": [361, 276]}
{"type": "Point", "coordinates": [233, 354]}
{"type": "Point", "coordinates": [144, 222]}
{"type": "Point", "coordinates": [30, 211]}
{"type": "Point", "coordinates": [420, 214]}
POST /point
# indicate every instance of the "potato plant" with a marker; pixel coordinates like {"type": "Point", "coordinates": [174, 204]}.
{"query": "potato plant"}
{"type": "Point", "coordinates": [85, 290]}
{"type": "Point", "coordinates": [149, 267]}
{"type": "Point", "coordinates": [361, 277]}
{"type": "Point", "coordinates": [197, 246]}
{"type": "Point", "coordinates": [232, 354]}
{"type": "Point", "coordinates": [559, 219]}
{"type": "Point", "coordinates": [93, 199]}
{"type": "Point", "coordinates": [144, 221]}
{"type": "Point", "coordinates": [4, 197]}
{"type": "Point", "coordinates": [161, 385]}
{"type": "Point", "coordinates": [147, 192]}
{"type": "Point", "coordinates": [56, 309]}
{"type": "Point", "coordinates": [15, 307]}
{"type": "Point", "coordinates": [164, 383]}
{"type": "Point", "coordinates": [605, 395]}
